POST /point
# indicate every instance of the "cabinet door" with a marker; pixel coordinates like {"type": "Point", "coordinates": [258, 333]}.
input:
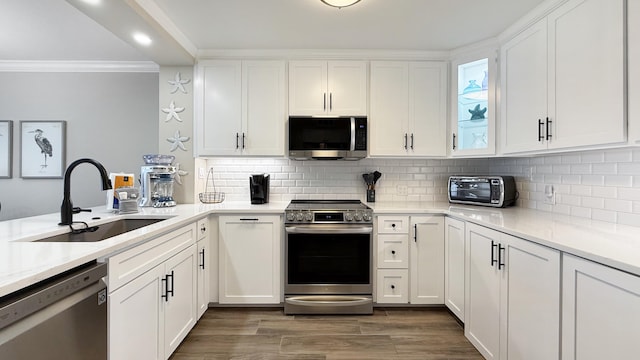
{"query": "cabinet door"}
{"type": "Point", "coordinates": [530, 301]}
{"type": "Point", "coordinates": [600, 308]}
{"type": "Point", "coordinates": [250, 259]}
{"type": "Point", "coordinates": [135, 321]}
{"type": "Point", "coordinates": [308, 87]}
{"type": "Point", "coordinates": [263, 108]}
{"type": "Point", "coordinates": [454, 266]}
{"type": "Point", "coordinates": [393, 251]}
{"type": "Point", "coordinates": [392, 286]}
{"type": "Point", "coordinates": [586, 73]}
{"type": "Point", "coordinates": [347, 87]}
{"type": "Point", "coordinates": [389, 117]}
{"type": "Point", "coordinates": [427, 109]}
{"type": "Point", "coordinates": [427, 260]}
{"type": "Point", "coordinates": [633, 63]}
{"type": "Point", "coordinates": [180, 306]}
{"type": "Point", "coordinates": [482, 298]}
{"type": "Point", "coordinates": [203, 270]}
{"type": "Point", "coordinates": [524, 90]}
{"type": "Point", "coordinates": [218, 126]}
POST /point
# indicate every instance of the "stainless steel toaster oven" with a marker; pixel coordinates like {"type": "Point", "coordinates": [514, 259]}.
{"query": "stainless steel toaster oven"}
{"type": "Point", "coordinates": [496, 191]}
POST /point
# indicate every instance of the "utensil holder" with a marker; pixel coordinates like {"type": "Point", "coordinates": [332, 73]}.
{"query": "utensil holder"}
{"type": "Point", "coordinates": [371, 195]}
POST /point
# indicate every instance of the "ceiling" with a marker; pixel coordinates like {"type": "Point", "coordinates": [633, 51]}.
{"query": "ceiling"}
{"type": "Point", "coordinates": [77, 30]}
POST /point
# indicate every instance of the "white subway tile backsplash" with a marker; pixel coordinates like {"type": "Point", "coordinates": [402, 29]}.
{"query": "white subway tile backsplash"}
{"type": "Point", "coordinates": [602, 185]}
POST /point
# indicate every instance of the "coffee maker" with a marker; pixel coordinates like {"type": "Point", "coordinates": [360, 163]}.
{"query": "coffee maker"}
{"type": "Point", "coordinates": [259, 188]}
{"type": "Point", "coordinates": [156, 185]}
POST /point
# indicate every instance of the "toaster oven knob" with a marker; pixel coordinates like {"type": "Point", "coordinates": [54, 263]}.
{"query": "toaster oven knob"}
{"type": "Point", "coordinates": [308, 216]}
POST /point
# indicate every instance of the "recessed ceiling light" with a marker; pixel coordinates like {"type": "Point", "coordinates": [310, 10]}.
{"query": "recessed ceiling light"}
{"type": "Point", "coordinates": [92, 2]}
{"type": "Point", "coordinates": [142, 39]}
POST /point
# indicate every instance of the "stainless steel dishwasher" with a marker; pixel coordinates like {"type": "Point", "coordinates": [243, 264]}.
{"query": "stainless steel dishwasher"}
{"type": "Point", "coordinates": [63, 317]}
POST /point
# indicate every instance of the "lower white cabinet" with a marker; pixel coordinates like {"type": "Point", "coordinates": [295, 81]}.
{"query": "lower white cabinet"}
{"type": "Point", "coordinates": [426, 265]}
{"type": "Point", "coordinates": [203, 265]}
{"type": "Point", "coordinates": [512, 299]}
{"type": "Point", "coordinates": [454, 245]}
{"type": "Point", "coordinates": [600, 308]}
{"type": "Point", "coordinates": [250, 259]}
{"type": "Point", "coordinates": [152, 314]}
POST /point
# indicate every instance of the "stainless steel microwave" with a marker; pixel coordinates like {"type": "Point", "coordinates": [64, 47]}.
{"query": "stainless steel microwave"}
{"type": "Point", "coordinates": [496, 191]}
{"type": "Point", "coordinates": [327, 138]}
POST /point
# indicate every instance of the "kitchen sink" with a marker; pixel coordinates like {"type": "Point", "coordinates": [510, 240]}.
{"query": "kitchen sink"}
{"type": "Point", "coordinates": [103, 231]}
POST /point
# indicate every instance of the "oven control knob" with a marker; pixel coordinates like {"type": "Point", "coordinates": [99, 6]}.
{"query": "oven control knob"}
{"type": "Point", "coordinates": [308, 216]}
{"type": "Point", "coordinates": [358, 216]}
{"type": "Point", "coordinates": [367, 217]}
{"type": "Point", "coordinates": [290, 216]}
{"type": "Point", "coordinates": [299, 216]}
{"type": "Point", "coordinates": [348, 216]}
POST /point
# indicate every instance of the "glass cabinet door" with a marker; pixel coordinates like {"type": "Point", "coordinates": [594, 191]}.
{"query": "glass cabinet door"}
{"type": "Point", "coordinates": [473, 109]}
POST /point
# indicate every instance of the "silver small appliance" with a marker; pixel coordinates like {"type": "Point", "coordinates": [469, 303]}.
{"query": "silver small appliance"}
{"type": "Point", "coordinates": [156, 181]}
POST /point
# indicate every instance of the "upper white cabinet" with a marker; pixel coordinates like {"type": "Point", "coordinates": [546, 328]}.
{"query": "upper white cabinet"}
{"type": "Point", "coordinates": [512, 306]}
{"type": "Point", "coordinates": [600, 308]}
{"type": "Point", "coordinates": [473, 105]}
{"type": "Point", "coordinates": [250, 259]}
{"type": "Point", "coordinates": [408, 108]}
{"type": "Point", "coordinates": [240, 108]}
{"type": "Point", "coordinates": [563, 79]}
{"type": "Point", "coordinates": [327, 87]}
{"type": "Point", "coordinates": [633, 62]}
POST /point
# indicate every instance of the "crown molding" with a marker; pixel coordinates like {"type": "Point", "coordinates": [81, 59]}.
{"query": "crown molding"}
{"type": "Point", "coordinates": [77, 66]}
{"type": "Point", "coordinates": [321, 54]}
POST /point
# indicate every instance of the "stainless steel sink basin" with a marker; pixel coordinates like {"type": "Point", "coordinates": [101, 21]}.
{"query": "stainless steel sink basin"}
{"type": "Point", "coordinates": [104, 231]}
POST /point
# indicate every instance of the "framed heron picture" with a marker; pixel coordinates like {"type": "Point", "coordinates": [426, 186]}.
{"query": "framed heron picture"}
{"type": "Point", "coordinates": [43, 149]}
{"type": "Point", "coordinates": [6, 147]}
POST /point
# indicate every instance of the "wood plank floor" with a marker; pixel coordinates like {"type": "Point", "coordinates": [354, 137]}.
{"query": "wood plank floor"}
{"type": "Point", "coordinates": [266, 333]}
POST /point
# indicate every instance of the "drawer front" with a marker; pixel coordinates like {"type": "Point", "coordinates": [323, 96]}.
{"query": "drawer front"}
{"type": "Point", "coordinates": [392, 286]}
{"type": "Point", "coordinates": [393, 251]}
{"type": "Point", "coordinates": [393, 224]}
{"type": "Point", "coordinates": [128, 265]}
{"type": "Point", "coordinates": [203, 228]}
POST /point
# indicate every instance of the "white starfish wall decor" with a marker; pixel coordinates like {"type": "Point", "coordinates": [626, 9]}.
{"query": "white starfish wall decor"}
{"type": "Point", "coordinates": [178, 84]}
{"type": "Point", "coordinates": [179, 173]}
{"type": "Point", "coordinates": [178, 141]}
{"type": "Point", "coordinates": [172, 112]}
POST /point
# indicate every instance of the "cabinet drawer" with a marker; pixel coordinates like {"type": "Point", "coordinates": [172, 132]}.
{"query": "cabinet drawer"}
{"type": "Point", "coordinates": [392, 286]}
{"type": "Point", "coordinates": [393, 224]}
{"type": "Point", "coordinates": [203, 228]}
{"type": "Point", "coordinates": [130, 264]}
{"type": "Point", "coordinates": [393, 251]}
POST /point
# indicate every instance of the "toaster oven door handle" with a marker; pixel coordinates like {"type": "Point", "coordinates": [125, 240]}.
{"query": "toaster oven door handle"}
{"type": "Point", "coordinates": [321, 229]}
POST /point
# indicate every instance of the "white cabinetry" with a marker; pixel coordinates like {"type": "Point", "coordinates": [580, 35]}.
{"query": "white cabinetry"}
{"type": "Point", "coordinates": [599, 311]}
{"type": "Point", "coordinates": [392, 276]}
{"type": "Point", "coordinates": [563, 79]}
{"type": "Point", "coordinates": [513, 296]}
{"type": "Point", "coordinates": [203, 265]}
{"type": "Point", "coordinates": [426, 269]}
{"type": "Point", "coordinates": [250, 259]}
{"type": "Point", "coordinates": [454, 246]}
{"type": "Point", "coordinates": [408, 108]}
{"type": "Point", "coordinates": [633, 63]}
{"type": "Point", "coordinates": [240, 108]}
{"type": "Point", "coordinates": [152, 296]}
{"type": "Point", "coordinates": [327, 87]}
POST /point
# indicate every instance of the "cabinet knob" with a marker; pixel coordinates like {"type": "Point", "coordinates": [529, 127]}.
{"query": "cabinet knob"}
{"type": "Point", "coordinates": [393, 286]}
{"type": "Point", "coordinates": [393, 252]}
{"type": "Point", "coordinates": [393, 226]}
{"type": "Point", "coordinates": [203, 228]}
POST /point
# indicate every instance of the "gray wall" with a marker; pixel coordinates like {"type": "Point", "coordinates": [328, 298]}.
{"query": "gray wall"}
{"type": "Point", "coordinates": [111, 117]}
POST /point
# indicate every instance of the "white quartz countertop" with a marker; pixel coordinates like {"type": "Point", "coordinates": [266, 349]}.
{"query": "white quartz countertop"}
{"type": "Point", "coordinates": [24, 262]}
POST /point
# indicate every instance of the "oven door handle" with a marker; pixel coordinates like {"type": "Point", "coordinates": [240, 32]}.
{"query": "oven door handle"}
{"type": "Point", "coordinates": [311, 229]}
{"type": "Point", "coordinates": [324, 300]}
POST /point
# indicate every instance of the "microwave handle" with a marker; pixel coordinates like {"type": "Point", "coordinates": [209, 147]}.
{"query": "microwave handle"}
{"type": "Point", "coordinates": [352, 147]}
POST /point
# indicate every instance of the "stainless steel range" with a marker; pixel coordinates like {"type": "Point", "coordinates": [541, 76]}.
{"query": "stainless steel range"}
{"type": "Point", "coordinates": [328, 257]}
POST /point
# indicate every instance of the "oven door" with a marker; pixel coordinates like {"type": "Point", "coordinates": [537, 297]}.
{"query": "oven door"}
{"type": "Point", "coordinates": [325, 259]}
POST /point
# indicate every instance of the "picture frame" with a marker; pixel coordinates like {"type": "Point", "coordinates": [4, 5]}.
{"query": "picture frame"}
{"type": "Point", "coordinates": [6, 149]}
{"type": "Point", "coordinates": [42, 149]}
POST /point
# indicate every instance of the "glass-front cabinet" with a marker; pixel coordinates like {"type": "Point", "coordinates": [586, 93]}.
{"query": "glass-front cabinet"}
{"type": "Point", "coordinates": [473, 106]}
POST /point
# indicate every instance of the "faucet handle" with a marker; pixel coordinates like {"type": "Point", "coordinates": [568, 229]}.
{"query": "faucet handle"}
{"type": "Point", "coordinates": [77, 210]}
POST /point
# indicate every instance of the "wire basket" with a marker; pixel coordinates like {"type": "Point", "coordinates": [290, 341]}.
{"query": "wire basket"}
{"type": "Point", "coordinates": [210, 195]}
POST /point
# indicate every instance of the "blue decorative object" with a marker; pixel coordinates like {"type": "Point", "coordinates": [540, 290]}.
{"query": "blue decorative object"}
{"type": "Point", "coordinates": [477, 113]}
